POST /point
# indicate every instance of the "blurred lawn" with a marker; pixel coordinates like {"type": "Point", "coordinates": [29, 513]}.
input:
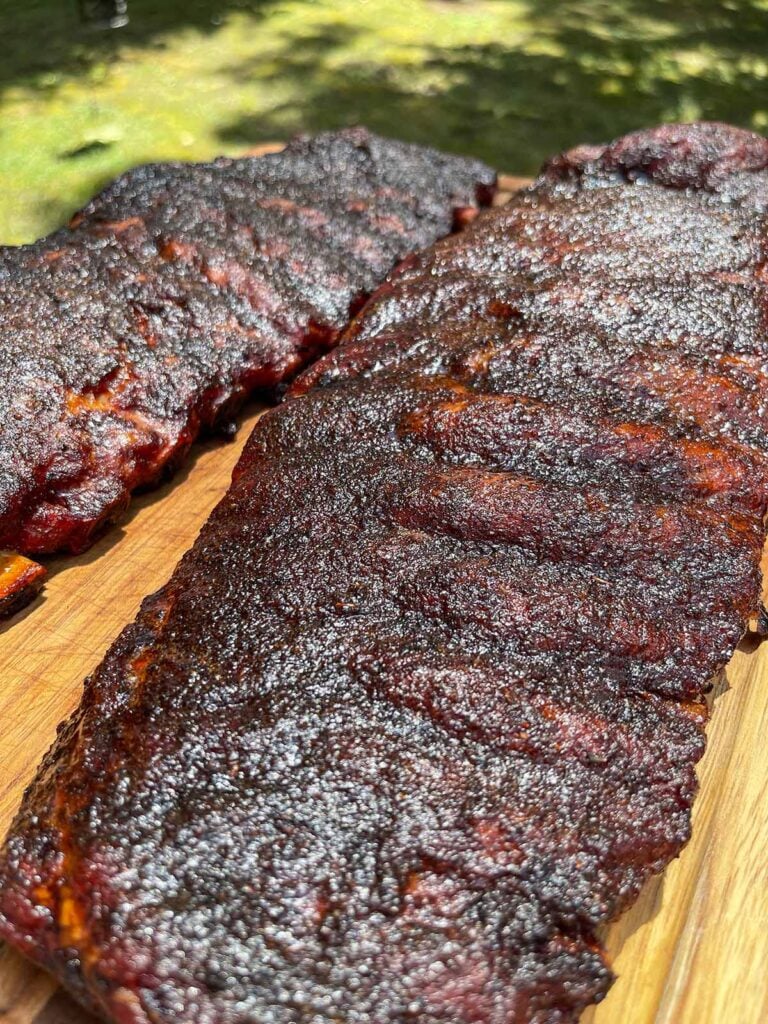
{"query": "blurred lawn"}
{"type": "Point", "coordinates": [508, 80]}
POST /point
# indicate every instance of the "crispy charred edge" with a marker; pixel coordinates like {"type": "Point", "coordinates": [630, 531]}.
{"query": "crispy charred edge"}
{"type": "Point", "coordinates": [21, 580]}
{"type": "Point", "coordinates": [757, 627]}
{"type": "Point", "coordinates": [701, 156]}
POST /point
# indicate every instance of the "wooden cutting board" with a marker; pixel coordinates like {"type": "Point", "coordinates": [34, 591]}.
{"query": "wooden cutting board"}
{"type": "Point", "coordinates": [693, 950]}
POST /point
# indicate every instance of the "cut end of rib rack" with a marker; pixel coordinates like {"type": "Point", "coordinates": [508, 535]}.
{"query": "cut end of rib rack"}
{"type": "Point", "coordinates": [20, 582]}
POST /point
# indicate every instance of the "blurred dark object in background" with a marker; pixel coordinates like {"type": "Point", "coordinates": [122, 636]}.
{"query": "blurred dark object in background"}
{"type": "Point", "coordinates": [104, 13]}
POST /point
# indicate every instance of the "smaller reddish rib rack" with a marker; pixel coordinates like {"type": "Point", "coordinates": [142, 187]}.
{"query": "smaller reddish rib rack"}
{"type": "Point", "coordinates": [175, 293]}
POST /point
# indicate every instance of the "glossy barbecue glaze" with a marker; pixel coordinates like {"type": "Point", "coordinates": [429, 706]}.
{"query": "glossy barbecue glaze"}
{"type": "Point", "coordinates": [176, 292]}
{"type": "Point", "coordinates": [421, 708]}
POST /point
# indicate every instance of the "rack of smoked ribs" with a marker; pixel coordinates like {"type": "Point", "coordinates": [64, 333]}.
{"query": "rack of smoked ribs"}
{"type": "Point", "coordinates": [420, 710]}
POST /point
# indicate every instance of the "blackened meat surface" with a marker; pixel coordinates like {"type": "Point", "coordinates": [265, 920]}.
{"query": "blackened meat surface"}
{"type": "Point", "coordinates": [179, 290]}
{"type": "Point", "coordinates": [421, 709]}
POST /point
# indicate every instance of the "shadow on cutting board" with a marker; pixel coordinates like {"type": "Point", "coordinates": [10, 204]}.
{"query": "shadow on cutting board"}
{"type": "Point", "coordinates": [60, 1009]}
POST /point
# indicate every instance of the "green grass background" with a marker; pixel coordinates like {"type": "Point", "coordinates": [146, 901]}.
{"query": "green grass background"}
{"type": "Point", "coordinates": [508, 80]}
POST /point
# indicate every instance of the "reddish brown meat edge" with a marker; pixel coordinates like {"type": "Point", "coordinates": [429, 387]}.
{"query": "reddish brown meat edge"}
{"type": "Point", "coordinates": [20, 581]}
{"type": "Point", "coordinates": [420, 710]}
{"type": "Point", "coordinates": [174, 294]}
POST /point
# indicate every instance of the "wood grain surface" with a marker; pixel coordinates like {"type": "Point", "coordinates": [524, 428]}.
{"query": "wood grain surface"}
{"type": "Point", "coordinates": [694, 948]}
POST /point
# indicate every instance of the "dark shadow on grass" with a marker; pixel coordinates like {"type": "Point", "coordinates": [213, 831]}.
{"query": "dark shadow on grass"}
{"type": "Point", "coordinates": [44, 39]}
